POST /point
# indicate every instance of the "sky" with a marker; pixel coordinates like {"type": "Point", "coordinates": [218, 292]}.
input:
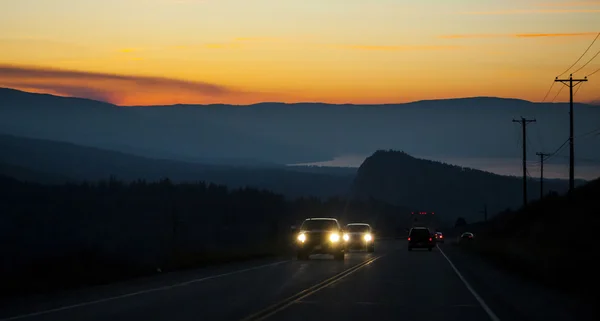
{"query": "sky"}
{"type": "Point", "coordinates": [151, 52]}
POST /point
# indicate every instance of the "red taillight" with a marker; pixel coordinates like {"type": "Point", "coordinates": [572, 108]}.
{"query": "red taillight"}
{"type": "Point", "coordinates": [430, 239]}
{"type": "Point", "coordinates": [441, 236]}
{"type": "Point", "coordinates": [409, 238]}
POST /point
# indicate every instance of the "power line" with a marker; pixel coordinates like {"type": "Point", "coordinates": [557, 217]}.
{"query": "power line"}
{"type": "Point", "coordinates": [594, 57]}
{"type": "Point", "coordinates": [548, 92]}
{"type": "Point", "coordinates": [553, 154]}
{"type": "Point", "coordinates": [558, 93]}
{"type": "Point", "coordinates": [591, 160]}
{"type": "Point", "coordinates": [578, 87]}
{"type": "Point", "coordinates": [597, 70]}
{"type": "Point", "coordinates": [576, 61]}
{"type": "Point", "coordinates": [597, 130]}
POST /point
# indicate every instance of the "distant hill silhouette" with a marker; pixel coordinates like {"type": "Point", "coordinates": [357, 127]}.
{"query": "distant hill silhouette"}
{"type": "Point", "coordinates": [53, 162]}
{"type": "Point", "coordinates": [478, 127]}
{"type": "Point", "coordinates": [28, 175]}
{"type": "Point", "coordinates": [449, 191]}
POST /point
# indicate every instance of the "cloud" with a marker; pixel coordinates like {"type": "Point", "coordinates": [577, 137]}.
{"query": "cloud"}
{"type": "Point", "coordinates": [394, 48]}
{"type": "Point", "coordinates": [129, 50]}
{"type": "Point", "coordinates": [520, 35]}
{"type": "Point", "coordinates": [529, 11]}
{"type": "Point", "coordinates": [258, 39]}
{"type": "Point", "coordinates": [111, 87]}
{"type": "Point", "coordinates": [589, 3]}
{"type": "Point", "coordinates": [537, 35]}
{"type": "Point", "coordinates": [68, 90]}
{"type": "Point", "coordinates": [235, 43]}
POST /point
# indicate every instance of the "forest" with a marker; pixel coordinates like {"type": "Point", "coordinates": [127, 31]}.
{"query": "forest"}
{"type": "Point", "coordinates": [57, 236]}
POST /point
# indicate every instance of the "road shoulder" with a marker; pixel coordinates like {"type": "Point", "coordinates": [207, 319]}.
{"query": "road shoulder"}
{"type": "Point", "coordinates": [513, 297]}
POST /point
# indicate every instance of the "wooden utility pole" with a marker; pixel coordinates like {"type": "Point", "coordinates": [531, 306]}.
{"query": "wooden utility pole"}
{"type": "Point", "coordinates": [524, 123]}
{"type": "Point", "coordinates": [569, 83]}
{"type": "Point", "coordinates": [542, 155]}
{"type": "Point", "coordinates": [485, 213]}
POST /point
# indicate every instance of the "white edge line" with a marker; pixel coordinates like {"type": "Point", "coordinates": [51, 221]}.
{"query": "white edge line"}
{"type": "Point", "coordinates": [485, 307]}
{"type": "Point", "coordinates": [122, 296]}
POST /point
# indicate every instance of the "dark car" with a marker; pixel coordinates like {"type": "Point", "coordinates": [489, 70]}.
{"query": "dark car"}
{"type": "Point", "coordinates": [321, 236]}
{"type": "Point", "coordinates": [420, 238]}
{"type": "Point", "coordinates": [466, 237]}
{"type": "Point", "coordinates": [439, 237]}
{"type": "Point", "coordinates": [360, 236]}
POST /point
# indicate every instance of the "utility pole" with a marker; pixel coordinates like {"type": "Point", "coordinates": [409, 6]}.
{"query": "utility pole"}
{"type": "Point", "coordinates": [485, 213]}
{"type": "Point", "coordinates": [542, 155]}
{"type": "Point", "coordinates": [569, 83]}
{"type": "Point", "coordinates": [524, 122]}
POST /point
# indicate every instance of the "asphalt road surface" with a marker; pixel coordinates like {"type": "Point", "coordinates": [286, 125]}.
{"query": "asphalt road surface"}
{"type": "Point", "coordinates": [390, 284]}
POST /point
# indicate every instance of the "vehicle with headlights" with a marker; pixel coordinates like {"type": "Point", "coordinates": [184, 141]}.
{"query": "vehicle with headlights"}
{"type": "Point", "coordinates": [439, 237]}
{"type": "Point", "coordinates": [420, 237]}
{"type": "Point", "coordinates": [465, 238]}
{"type": "Point", "coordinates": [360, 236]}
{"type": "Point", "coordinates": [321, 236]}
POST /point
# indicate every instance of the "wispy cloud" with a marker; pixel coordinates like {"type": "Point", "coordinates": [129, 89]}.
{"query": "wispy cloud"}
{"type": "Point", "coordinates": [107, 87]}
{"type": "Point", "coordinates": [130, 50]}
{"type": "Point", "coordinates": [394, 47]}
{"type": "Point", "coordinates": [530, 11]}
{"type": "Point", "coordinates": [235, 43]}
{"type": "Point", "coordinates": [258, 39]}
{"type": "Point", "coordinates": [588, 3]}
{"type": "Point", "coordinates": [520, 35]}
{"type": "Point", "coordinates": [538, 35]}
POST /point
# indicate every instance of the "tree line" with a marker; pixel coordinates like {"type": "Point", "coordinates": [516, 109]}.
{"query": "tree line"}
{"type": "Point", "coordinates": [94, 232]}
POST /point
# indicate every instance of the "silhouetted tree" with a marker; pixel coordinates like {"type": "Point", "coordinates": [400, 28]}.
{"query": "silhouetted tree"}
{"type": "Point", "coordinates": [460, 222]}
{"type": "Point", "coordinates": [75, 233]}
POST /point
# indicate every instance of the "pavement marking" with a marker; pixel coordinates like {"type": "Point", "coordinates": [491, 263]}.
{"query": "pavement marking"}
{"type": "Point", "coordinates": [485, 307]}
{"type": "Point", "coordinates": [296, 298]}
{"type": "Point", "coordinates": [127, 295]}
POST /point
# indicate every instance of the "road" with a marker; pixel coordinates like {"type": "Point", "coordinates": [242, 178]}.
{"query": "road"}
{"type": "Point", "coordinates": [390, 284]}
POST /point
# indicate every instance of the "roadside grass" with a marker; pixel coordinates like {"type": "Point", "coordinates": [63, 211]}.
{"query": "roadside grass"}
{"type": "Point", "coordinates": [90, 268]}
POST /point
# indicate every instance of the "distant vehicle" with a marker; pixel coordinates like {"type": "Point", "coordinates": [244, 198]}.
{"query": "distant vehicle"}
{"type": "Point", "coordinates": [321, 236]}
{"type": "Point", "coordinates": [466, 237]}
{"type": "Point", "coordinates": [420, 237]}
{"type": "Point", "coordinates": [360, 237]}
{"type": "Point", "coordinates": [439, 237]}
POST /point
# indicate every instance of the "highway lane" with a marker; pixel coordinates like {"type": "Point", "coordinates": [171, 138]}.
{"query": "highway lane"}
{"type": "Point", "coordinates": [402, 285]}
{"type": "Point", "coordinates": [395, 284]}
{"type": "Point", "coordinates": [226, 293]}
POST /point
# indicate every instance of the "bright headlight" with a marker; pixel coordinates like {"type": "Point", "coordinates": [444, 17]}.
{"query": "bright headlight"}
{"type": "Point", "coordinates": [301, 237]}
{"type": "Point", "coordinates": [334, 237]}
{"type": "Point", "coordinates": [368, 237]}
{"type": "Point", "coordinates": [346, 237]}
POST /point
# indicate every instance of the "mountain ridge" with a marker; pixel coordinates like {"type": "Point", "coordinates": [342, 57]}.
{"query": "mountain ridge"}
{"type": "Point", "coordinates": [297, 133]}
{"type": "Point", "coordinates": [266, 103]}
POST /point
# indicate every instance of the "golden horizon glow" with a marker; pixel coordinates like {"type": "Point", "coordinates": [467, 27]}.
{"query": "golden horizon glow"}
{"type": "Point", "coordinates": [158, 52]}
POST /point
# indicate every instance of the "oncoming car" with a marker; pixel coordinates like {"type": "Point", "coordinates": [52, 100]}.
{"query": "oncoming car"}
{"type": "Point", "coordinates": [321, 236]}
{"type": "Point", "coordinates": [360, 237]}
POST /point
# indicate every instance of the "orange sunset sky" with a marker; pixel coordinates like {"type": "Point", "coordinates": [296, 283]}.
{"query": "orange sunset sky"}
{"type": "Point", "coordinates": [138, 52]}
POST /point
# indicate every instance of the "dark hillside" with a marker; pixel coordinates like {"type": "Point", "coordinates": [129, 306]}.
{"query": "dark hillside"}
{"type": "Point", "coordinates": [48, 161]}
{"type": "Point", "coordinates": [551, 240]}
{"type": "Point", "coordinates": [450, 191]}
